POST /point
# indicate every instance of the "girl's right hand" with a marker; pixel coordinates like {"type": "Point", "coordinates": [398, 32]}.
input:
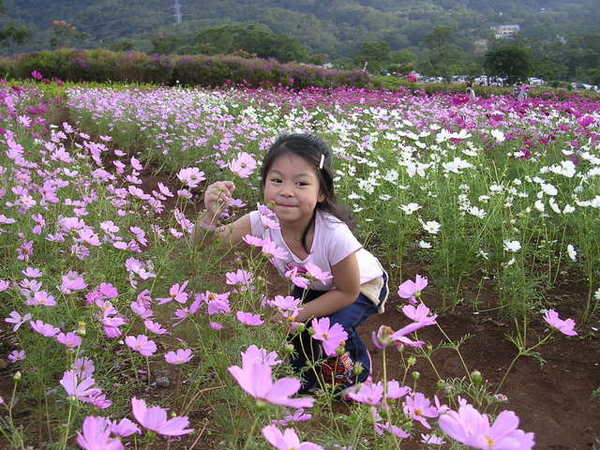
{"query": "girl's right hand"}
{"type": "Point", "coordinates": [217, 196]}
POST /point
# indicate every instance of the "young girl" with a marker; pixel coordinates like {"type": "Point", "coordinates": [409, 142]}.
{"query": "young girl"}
{"type": "Point", "coordinates": [297, 181]}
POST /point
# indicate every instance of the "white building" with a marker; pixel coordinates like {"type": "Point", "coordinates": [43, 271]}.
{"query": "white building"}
{"type": "Point", "coordinates": [506, 31]}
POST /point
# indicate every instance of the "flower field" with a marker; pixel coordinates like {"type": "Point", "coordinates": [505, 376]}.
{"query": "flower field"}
{"type": "Point", "coordinates": [125, 326]}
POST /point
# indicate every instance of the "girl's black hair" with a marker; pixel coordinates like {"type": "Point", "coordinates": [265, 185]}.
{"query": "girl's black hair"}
{"type": "Point", "coordinates": [317, 153]}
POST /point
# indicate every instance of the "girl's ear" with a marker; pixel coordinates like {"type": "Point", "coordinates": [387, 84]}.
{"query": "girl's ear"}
{"type": "Point", "coordinates": [322, 196]}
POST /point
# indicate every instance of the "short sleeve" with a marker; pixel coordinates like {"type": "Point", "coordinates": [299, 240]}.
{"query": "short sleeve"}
{"type": "Point", "coordinates": [342, 242]}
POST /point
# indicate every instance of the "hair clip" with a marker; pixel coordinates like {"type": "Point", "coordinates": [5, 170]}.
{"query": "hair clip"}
{"type": "Point", "coordinates": [321, 162]}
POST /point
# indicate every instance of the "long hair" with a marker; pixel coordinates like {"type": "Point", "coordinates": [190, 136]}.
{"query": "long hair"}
{"type": "Point", "coordinates": [317, 153]}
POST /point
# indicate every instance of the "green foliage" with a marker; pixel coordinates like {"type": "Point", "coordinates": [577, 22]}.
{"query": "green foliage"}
{"type": "Point", "coordinates": [14, 34]}
{"type": "Point", "coordinates": [253, 39]}
{"type": "Point", "coordinates": [510, 62]}
{"type": "Point", "coordinates": [442, 33]}
{"type": "Point", "coordinates": [137, 67]}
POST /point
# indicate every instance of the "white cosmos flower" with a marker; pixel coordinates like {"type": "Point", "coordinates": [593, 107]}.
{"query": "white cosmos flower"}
{"type": "Point", "coordinates": [431, 226]}
{"type": "Point", "coordinates": [498, 135]}
{"type": "Point", "coordinates": [424, 244]}
{"type": "Point", "coordinates": [572, 252]}
{"type": "Point", "coordinates": [456, 165]}
{"type": "Point", "coordinates": [549, 189]}
{"type": "Point", "coordinates": [539, 205]}
{"type": "Point", "coordinates": [554, 205]}
{"type": "Point", "coordinates": [410, 208]}
{"type": "Point", "coordinates": [568, 209]}
{"type": "Point", "coordinates": [477, 212]}
{"type": "Point", "coordinates": [512, 246]}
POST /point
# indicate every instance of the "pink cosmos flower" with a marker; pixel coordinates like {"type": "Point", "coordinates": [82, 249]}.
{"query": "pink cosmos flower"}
{"type": "Point", "coordinates": [240, 278]}
{"type": "Point", "coordinates": [385, 336]}
{"type": "Point", "coordinates": [83, 367]}
{"type": "Point", "coordinates": [332, 337]}
{"type": "Point", "coordinates": [16, 319]}
{"type": "Point", "coordinates": [316, 272]}
{"type": "Point", "coordinates": [411, 289]}
{"type": "Point", "coordinates": [253, 354]}
{"type": "Point", "coordinates": [471, 428]}
{"type": "Point", "coordinates": [419, 314]}
{"type": "Point", "coordinates": [191, 176]}
{"type": "Point", "coordinates": [253, 240]}
{"type": "Point", "coordinates": [31, 272]}
{"type": "Point", "coordinates": [243, 165]}
{"type": "Point", "coordinates": [69, 340]}
{"type": "Point", "coordinates": [381, 426]}
{"type": "Point", "coordinates": [418, 407]}
{"type": "Point", "coordinates": [155, 419]}
{"type": "Point", "coordinates": [4, 285]}
{"type": "Point", "coordinates": [177, 293]}
{"type": "Point", "coordinates": [44, 329]}
{"type": "Point", "coordinates": [95, 435]}
{"type": "Point", "coordinates": [124, 428]}
{"type": "Point", "coordinates": [42, 298]}
{"type": "Point", "coordinates": [141, 344]}
{"type": "Point", "coordinates": [288, 440]}
{"type": "Point", "coordinates": [298, 279]}
{"type": "Point", "coordinates": [369, 394]}
{"type": "Point", "coordinates": [111, 324]}
{"type": "Point", "coordinates": [255, 379]}
{"type": "Point", "coordinates": [72, 282]}
{"type": "Point", "coordinates": [564, 326]}
{"type": "Point", "coordinates": [287, 306]}
{"type": "Point", "coordinates": [16, 355]}
{"type": "Point", "coordinates": [291, 419]}
{"type": "Point", "coordinates": [25, 251]}
{"type": "Point", "coordinates": [270, 249]}
{"type": "Point", "coordinates": [154, 327]}
{"type": "Point", "coordinates": [80, 389]}
{"type": "Point", "coordinates": [179, 357]}
{"type": "Point", "coordinates": [250, 319]}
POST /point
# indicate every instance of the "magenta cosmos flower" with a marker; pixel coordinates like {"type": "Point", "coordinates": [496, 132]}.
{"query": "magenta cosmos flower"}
{"type": "Point", "coordinates": [564, 326]}
{"type": "Point", "coordinates": [288, 440]}
{"type": "Point", "coordinates": [332, 337]}
{"type": "Point", "coordinates": [95, 434]}
{"type": "Point", "coordinates": [471, 428]}
{"type": "Point", "coordinates": [141, 344]}
{"type": "Point", "coordinates": [255, 378]}
{"type": "Point", "coordinates": [155, 419]}
{"type": "Point", "coordinates": [180, 356]}
{"type": "Point", "coordinates": [411, 289]}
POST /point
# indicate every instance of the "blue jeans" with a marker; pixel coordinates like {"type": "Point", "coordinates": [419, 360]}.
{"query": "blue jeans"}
{"type": "Point", "coordinates": [350, 318]}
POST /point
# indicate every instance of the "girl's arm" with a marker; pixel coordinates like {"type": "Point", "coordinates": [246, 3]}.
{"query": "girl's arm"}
{"type": "Point", "coordinates": [216, 197]}
{"type": "Point", "coordinates": [346, 279]}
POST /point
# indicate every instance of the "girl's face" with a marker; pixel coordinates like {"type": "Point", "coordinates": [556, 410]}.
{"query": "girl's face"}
{"type": "Point", "coordinates": [292, 185]}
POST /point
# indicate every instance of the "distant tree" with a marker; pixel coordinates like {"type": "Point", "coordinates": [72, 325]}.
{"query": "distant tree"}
{"type": "Point", "coordinates": [375, 54]}
{"type": "Point", "coordinates": [164, 45]}
{"type": "Point", "coordinates": [439, 38]}
{"type": "Point", "coordinates": [255, 39]}
{"type": "Point", "coordinates": [14, 34]}
{"type": "Point", "coordinates": [511, 62]}
{"type": "Point", "coordinates": [122, 45]}
{"type": "Point", "coordinates": [65, 35]}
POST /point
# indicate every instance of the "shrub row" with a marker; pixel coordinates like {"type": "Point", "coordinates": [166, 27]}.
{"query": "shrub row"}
{"type": "Point", "coordinates": [100, 65]}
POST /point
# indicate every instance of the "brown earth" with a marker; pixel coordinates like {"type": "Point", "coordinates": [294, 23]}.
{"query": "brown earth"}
{"type": "Point", "coordinates": [555, 400]}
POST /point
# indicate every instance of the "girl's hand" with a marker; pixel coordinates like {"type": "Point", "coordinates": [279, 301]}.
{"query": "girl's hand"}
{"type": "Point", "coordinates": [216, 197]}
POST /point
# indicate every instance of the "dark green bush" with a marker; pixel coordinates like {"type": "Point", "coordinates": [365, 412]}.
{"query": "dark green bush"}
{"type": "Point", "coordinates": [189, 70]}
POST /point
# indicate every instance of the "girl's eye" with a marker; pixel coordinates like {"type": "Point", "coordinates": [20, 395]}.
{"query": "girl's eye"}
{"type": "Point", "coordinates": [302, 183]}
{"type": "Point", "coordinates": [275, 180]}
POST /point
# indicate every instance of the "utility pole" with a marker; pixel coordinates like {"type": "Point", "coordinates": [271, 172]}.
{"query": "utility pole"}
{"type": "Point", "coordinates": [178, 14]}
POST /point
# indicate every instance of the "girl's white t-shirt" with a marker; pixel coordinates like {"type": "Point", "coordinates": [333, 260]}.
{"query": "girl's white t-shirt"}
{"type": "Point", "coordinates": [332, 242]}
